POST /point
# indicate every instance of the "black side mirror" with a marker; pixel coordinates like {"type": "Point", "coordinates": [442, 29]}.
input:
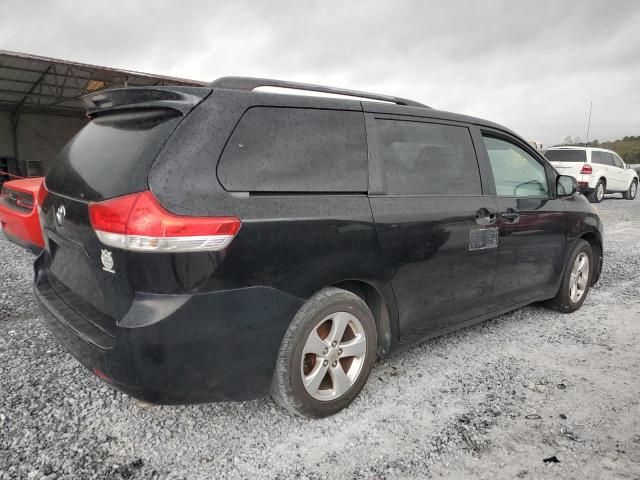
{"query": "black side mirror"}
{"type": "Point", "coordinates": [566, 185]}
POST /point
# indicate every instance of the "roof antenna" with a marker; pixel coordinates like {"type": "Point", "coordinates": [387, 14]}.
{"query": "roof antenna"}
{"type": "Point", "coordinates": [586, 143]}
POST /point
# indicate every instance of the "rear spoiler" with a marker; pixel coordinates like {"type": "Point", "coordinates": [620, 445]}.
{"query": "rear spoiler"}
{"type": "Point", "coordinates": [180, 99]}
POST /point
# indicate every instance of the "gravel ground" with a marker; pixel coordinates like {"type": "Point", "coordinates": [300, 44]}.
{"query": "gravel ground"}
{"type": "Point", "coordinates": [490, 401]}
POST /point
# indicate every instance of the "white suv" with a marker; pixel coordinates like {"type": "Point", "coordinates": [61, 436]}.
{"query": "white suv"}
{"type": "Point", "coordinates": [598, 171]}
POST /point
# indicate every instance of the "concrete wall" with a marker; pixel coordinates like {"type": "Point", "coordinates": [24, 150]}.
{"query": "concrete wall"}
{"type": "Point", "coordinates": [6, 135]}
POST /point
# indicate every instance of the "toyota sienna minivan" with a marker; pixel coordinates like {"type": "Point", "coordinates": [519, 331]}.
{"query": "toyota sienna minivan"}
{"type": "Point", "coordinates": [221, 243]}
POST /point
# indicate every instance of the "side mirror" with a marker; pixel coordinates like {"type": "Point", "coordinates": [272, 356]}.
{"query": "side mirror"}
{"type": "Point", "coordinates": [566, 185]}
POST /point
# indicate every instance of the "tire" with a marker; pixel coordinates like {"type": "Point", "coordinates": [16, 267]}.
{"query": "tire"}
{"type": "Point", "coordinates": [565, 301]}
{"type": "Point", "coordinates": [326, 310]}
{"type": "Point", "coordinates": [633, 190]}
{"type": "Point", "coordinates": [598, 192]}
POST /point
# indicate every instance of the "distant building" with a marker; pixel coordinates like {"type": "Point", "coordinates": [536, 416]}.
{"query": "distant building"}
{"type": "Point", "coordinates": [40, 108]}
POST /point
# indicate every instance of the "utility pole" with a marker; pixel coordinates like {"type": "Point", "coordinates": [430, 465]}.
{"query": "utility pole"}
{"type": "Point", "coordinates": [586, 143]}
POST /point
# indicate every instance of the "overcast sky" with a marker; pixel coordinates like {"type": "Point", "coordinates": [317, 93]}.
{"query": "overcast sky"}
{"type": "Point", "coordinates": [533, 66]}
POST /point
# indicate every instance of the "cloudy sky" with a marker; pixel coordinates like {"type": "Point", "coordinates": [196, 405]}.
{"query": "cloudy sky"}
{"type": "Point", "coordinates": [533, 66]}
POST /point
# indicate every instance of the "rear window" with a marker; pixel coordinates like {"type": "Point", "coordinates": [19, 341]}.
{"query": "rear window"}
{"type": "Point", "coordinates": [276, 149]}
{"type": "Point", "coordinates": [111, 155]}
{"type": "Point", "coordinates": [577, 156]}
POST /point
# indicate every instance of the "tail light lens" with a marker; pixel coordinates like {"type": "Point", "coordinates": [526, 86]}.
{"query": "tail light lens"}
{"type": "Point", "coordinates": [17, 199]}
{"type": "Point", "coordinates": [25, 201]}
{"type": "Point", "coordinates": [587, 169]}
{"type": "Point", "coordinates": [137, 222]}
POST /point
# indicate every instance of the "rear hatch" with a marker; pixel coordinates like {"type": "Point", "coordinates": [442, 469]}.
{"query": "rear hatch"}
{"type": "Point", "coordinates": [110, 157]}
{"type": "Point", "coordinates": [567, 161]}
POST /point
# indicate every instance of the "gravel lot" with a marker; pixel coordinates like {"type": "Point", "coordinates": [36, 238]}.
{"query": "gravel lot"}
{"type": "Point", "coordinates": [491, 401]}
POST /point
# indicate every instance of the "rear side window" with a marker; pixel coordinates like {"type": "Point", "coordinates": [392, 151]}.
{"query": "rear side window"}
{"type": "Point", "coordinates": [276, 149]}
{"type": "Point", "coordinates": [577, 156]}
{"type": "Point", "coordinates": [428, 159]}
{"type": "Point", "coordinates": [602, 158]}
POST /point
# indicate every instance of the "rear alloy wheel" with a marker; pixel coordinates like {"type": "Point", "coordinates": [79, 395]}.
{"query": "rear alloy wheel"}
{"type": "Point", "coordinates": [333, 356]}
{"type": "Point", "coordinates": [576, 279]}
{"type": "Point", "coordinates": [633, 190]}
{"type": "Point", "coordinates": [598, 193]}
{"type": "Point", "coordinates": [326, 355]}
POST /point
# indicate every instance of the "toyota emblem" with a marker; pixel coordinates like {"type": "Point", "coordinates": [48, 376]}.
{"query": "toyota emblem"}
{"type": "Point", "coordinates": [61, 213]}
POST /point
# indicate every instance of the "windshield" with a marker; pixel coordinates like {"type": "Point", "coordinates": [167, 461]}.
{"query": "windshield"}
{"type": "Point", "coordinates": [566, 156]}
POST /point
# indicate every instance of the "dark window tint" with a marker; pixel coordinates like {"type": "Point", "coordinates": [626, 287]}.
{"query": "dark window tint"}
{"type": "Point", "coordinates": [516, 173]}
{"type": "Point", "coordinates": [577, 156]}
{"type": "Point", "coordinates": [428, 159]}
{"type": "Point", "coordinates": [111, 155]}
{"type": "Point", "coordinates": [617, 161]}
{"type": "Point", "coordinates": [295, 150]}
{"type": "Point", "coordinates": [601, 158]}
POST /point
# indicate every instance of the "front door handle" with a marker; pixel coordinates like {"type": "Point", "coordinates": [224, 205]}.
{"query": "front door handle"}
{"type": "Point", "coordinates": [511, 215]}
{"type": "Point", "coordinates": [484, 216]}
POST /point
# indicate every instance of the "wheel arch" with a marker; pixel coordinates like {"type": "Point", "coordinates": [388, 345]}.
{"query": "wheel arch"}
{"type": "Point", "coordinates": [379, 307]}
{"type": "Point", "coordinates": [595, 242]}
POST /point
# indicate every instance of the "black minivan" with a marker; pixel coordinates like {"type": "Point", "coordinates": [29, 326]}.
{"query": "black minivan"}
{"type": "Point", "coordinates": [218, 243]}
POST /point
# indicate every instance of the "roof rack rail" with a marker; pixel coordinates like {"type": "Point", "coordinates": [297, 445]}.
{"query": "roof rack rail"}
{"type": "Point", "coordinates": [250, 83]}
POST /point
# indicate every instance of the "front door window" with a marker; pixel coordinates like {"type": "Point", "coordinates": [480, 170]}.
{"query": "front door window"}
{"type": "Point", "coordinates": [516, 173]}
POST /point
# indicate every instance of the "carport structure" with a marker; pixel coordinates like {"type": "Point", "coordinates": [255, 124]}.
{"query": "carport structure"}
{"type": "Point", "coordinates": [40, 107]}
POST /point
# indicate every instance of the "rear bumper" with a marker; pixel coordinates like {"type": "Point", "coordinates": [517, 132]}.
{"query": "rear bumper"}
{"type": "Point", "coordinates": [35, 249]}
{"type": "Point", "coordinates": [586, 183]}
{"type": "Point", "coordinates": [22, 228]}
{"type": "Point", "coordinates": [178, 348]}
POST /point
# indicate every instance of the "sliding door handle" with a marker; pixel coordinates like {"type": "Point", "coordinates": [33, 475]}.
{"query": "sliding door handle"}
{"type": "Point", "coordinates": [511, 215]}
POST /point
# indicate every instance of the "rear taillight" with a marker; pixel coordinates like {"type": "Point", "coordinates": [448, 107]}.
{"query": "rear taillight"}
{"type": "Point", "coordinates": [42, 195]}
{"type": "Point", "coordinates": [137, 222]}
{"type": "Point", "coordinates": [18, 199]}
{"type": "Point", "coordinates": [586, 169]}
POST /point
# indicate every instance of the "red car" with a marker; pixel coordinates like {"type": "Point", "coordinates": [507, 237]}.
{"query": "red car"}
{"type": "Point", "coordinates": [19, 202]}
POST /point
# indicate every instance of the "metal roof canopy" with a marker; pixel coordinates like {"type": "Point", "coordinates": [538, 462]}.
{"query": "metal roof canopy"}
{"type": "Point", "coordinates": [30, 83]}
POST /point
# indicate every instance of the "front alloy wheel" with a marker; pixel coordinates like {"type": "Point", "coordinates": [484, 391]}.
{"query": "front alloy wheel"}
{"type": "Point", "coordinates": [579, 277]}
{"type": "Point", "coordinates": [576, 279]}
{"type": "Point", "coordinates": [630, 194]}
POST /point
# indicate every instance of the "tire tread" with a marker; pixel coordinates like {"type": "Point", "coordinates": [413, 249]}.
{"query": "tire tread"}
{"type": "Point", "coordinates": [281, 390]}
{"type": "Point", "coordinates": [562, 302]}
